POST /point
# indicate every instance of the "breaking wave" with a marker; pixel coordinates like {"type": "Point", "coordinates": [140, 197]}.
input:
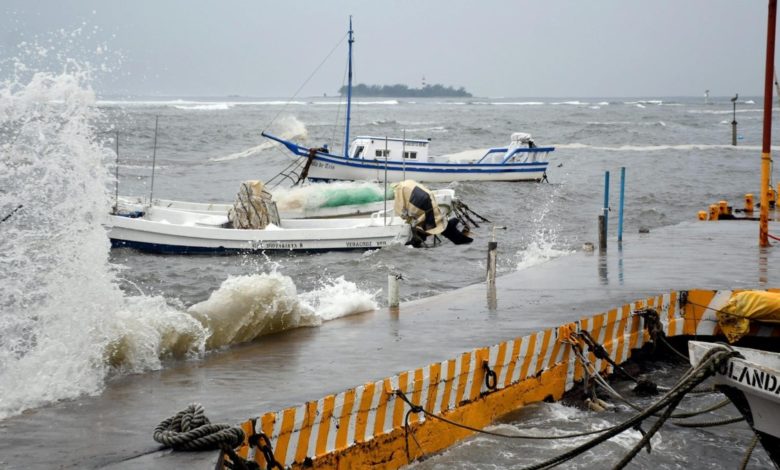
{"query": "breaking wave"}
{"type": "Point", "coordinates": [287, 127]}
{"type": "Point", "coordinates": [67, 326]}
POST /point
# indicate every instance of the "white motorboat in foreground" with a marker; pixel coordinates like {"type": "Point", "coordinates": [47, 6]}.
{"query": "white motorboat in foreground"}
{"type": "Point", "coordinates": [289, 210]}
{"type": "Point", "coordinates": [752, 383]}
{"type": "Point", "coordinates": [163, 230]}
{"type": "Point", "coordinates": [252, 223]}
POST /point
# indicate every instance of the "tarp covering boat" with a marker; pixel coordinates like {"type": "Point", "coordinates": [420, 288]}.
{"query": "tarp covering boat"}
{"type": "Point", "coordinates": [253, 208]}
{"type": "Point", "coordinates": [416, 204]}
{"type": "Point", "coordinates": [743, 307]}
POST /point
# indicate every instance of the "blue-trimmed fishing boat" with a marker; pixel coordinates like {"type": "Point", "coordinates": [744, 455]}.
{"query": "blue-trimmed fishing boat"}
{"type": "Point", "coordinates": [392, 159]}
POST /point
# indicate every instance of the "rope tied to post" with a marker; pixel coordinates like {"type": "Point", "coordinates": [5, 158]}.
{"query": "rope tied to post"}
{"type": "Point", "coordinates": [190, 429]}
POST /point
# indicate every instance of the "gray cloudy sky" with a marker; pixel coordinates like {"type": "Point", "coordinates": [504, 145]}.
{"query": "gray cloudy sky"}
{"type": "Point", "coordinates": [542, 48]}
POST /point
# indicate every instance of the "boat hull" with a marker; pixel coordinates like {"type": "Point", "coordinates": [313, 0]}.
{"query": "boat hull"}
{"type": "Point", "coordinates": [331, 168]}
{"type": "Point", "coordinates": [752, 383]}
{"type": "Point", "coordinates": [163, 237]}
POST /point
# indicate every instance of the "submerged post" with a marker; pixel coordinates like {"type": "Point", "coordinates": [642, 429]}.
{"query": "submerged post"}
{"type": "Point", "coordinates": [766, 156]}
{"type": "Point", "coordinates": [602, 233]}
{"type": "Point", "coordinates": [492, 257]}
{"type": "Point", "coordinates": [606, 203]}
{"type": "Point", "coordinates": [622, 197]}
{"type": "Point", "coordinates": [392, 290]}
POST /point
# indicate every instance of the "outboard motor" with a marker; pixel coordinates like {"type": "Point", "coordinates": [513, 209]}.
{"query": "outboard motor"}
{"type": "Point", "coordinates": [417, 205]}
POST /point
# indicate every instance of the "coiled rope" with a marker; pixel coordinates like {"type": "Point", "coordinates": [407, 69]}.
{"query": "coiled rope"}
{"type": "Point", "coordinates": [190, 429]}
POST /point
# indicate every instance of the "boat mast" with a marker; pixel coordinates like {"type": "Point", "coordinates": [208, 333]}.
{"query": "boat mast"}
{"type": "Point", "coordinates": [349, 91]}
{"type": "Point", "coordinates": [766, 156]}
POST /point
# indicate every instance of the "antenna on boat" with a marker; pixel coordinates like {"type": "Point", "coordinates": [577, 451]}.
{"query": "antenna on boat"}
{"type": "Point", "coordinates": [116, 173]}
{"type": "Point", "coordinates": [386, 152]}
{"type": "Point", "coordinates": [403, 153]}
{"type": "Point", "coordinates": [154, 159]}
{"type": "Point", "coordinates": [349, 90]}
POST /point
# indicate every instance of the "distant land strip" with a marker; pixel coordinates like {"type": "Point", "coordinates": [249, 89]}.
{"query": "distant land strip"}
{"type": "Point", "coordinates": [403, 91]}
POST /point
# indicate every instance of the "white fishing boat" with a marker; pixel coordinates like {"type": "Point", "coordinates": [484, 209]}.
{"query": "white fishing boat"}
{"type": "Point", "coordinates": [392, 159]}
{"type": "Point", "coordinates": [252, 224]}
{"type": "Point", "coordinates": [322, 208]}
{"type": "Point", "coordinates": [752, 382]}
{"type": "Point", "coordinates": [164, 230]}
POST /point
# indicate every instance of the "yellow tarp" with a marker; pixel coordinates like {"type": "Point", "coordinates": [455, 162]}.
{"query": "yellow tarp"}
{"type": "Point", "coordinates": [416, 204]}
{"type": "Point", "coordinates": [734, 319]}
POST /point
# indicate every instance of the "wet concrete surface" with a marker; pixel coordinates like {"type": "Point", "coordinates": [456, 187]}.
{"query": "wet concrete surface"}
{"type": "Point", "coordinates": [114, 430]}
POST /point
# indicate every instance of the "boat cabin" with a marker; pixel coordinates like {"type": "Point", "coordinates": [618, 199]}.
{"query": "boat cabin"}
{"type": "Point", "coordinates": [377, 148]}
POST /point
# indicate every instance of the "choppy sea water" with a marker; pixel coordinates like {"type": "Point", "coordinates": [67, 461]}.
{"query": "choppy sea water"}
{"type": "Point", "coordinates": [77, 315]}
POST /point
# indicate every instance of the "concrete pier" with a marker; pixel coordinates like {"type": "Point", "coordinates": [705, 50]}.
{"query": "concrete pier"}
{"type": "Point", "coordinates": [113, 430]}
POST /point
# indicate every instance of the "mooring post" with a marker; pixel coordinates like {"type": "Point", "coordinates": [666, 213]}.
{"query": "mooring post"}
{"type": "Point", "coordinates": [622, 197]}
{"type": "Point", "coordinates": [492, 256]}
{"type": "Point", "coordinates": [602, 233]}
{"type": "Point", "coordinates": [392, 290]}
{"type": "Point", "coordinates": [606, 200]}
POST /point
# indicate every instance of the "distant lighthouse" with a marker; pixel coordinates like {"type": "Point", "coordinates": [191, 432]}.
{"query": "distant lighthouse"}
{"type": "Point", "coordinates": [423, 81]}
{"type": "Point", "coordinates": [706, 96]}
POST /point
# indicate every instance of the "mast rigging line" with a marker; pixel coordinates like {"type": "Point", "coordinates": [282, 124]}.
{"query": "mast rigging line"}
{"type": "Point", "coordinates": [287, 104]}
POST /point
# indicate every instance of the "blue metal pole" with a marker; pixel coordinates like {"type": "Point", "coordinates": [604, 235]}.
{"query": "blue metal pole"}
{"type": "Point", "coordinates": [606, 202]}
{"type": "Point", "coordinates": [349, 91]}
{"type": "Point", "coordinates": [622, 198]}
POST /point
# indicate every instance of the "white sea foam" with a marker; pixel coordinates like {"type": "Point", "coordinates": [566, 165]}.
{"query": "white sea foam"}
{"type": "Point", "coordinates": [518, 103]}
{"type": "Point", "coordinates": [193, 104]}
{"type": "Point", "coordinates": [287, 127]}
{"type": "Point", "coordinates": [66, 325]}
{"type": "Point", "coordinates": [657, 148]}
{"type": "Point", "coordinates": [205, 107]}
{"type": "Point", "coordinates": [339, 298]}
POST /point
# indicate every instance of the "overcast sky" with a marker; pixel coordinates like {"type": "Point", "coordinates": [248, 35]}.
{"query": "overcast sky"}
{"type": "Point", "coordinates": [543, 48]}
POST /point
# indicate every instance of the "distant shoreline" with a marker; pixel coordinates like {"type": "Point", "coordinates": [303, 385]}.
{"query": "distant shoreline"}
{"type": "Point", "coordinates": [403, 91]}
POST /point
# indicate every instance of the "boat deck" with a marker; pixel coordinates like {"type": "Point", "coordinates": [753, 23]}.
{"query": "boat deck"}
{"type": "Point", "coordinates": [114, 429]}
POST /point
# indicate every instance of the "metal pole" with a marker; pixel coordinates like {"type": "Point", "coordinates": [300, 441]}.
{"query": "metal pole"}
{"type": "Point", "coordinates": [349, 91]}
{"type": "Point", "coordinates": [116, 174]}
{"type": "Point", "coordinates": [766, 156]}
{"type": "Point", "coordinates": [606, 202]}
{"type": "Point", "coordinates": [403, 154]}
{"type": "Point", "coordinates": [734, 120]}
{"type": "Point", "coordinates": [154, 159]}
{"type": "Point", "coordinates": [385, 180]}
{"type": "Point", "coordinates": [622, 197]}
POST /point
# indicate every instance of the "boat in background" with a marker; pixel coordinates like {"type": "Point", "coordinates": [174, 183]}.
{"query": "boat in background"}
{"type": "Point", "coordinates": [392, 159]}
{"type": "Point", "coordinates": [376, 158]}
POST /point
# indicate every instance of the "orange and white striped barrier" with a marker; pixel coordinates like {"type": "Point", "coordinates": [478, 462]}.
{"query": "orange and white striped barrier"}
{"type": "Point", "coordinates": [367, 425]}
